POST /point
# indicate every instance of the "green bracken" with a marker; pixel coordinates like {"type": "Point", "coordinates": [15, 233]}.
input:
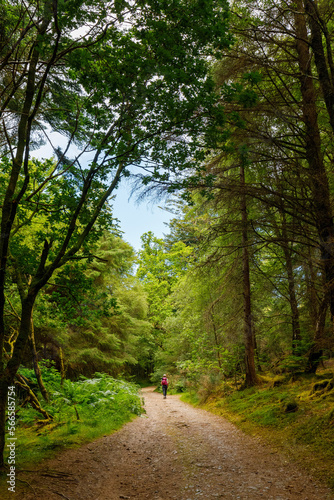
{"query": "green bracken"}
{"type": "Point", "coordinates": [82, 411]}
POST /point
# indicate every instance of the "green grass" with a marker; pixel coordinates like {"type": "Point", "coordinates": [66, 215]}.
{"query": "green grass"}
{"type": "Point", "coordinates": [36, 444]}
{"type": "Point", "coordinates": [263, 407]}
{"type": "Point", "coordinates": [82, 411]}
{"type": "Point", "coordinates": [291, 417]}
{"type": "Point", "coordinates": [191, 398]}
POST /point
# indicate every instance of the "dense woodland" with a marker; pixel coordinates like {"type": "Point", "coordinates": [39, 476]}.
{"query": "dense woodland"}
{"type": "Point", "coordinates": [224, 112]}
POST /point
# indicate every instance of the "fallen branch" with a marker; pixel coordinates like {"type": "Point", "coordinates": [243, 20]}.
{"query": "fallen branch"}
{"type": "Point", "coordinates": [32, 398]}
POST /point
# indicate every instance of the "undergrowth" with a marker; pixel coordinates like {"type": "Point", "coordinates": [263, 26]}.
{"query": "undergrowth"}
{"type": "Point", "coordinates": [81, 411]}
{"type": "Point", "coordinates": [294, 415]}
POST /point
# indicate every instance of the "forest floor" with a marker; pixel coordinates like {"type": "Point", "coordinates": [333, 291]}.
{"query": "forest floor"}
{"type": "Point", "coordinates": [174, 451]}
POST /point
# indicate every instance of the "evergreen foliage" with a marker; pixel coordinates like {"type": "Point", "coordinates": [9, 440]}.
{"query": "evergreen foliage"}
{"type": "Point", "coordinates": [126, 84]}
{"type": "Point", "coordinates": [238, 125]}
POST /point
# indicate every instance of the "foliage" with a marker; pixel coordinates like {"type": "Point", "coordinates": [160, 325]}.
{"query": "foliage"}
{"type": "Point", "coordinates": [273, 215]}
{"type": "Point", "coordinates": [109, 323]}
{"type": "Point", "coordinates": [92, 397]}
{"type": "Point", "coordinates": [304, 433]}
{"type": "Point", "coordinates": [125, 85]}
{"type": "Point", "coordinates": [247, 141]}
{"type": "Point", "coordinates": [81, 411]}
{"type": "Point", "coordinates": [95, 311]}
{"type": "Point", "coordinates": [201, 311]}
{"type": "Point", "coordinates": [160, 266]}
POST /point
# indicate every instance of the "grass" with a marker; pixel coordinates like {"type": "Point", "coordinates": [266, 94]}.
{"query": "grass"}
{"type": "Point", "coordinates": [39, 443]}
{"type": "Point", "coordinates": [82, 412]}
{"type": "Point", "coordinates": [287, 414]}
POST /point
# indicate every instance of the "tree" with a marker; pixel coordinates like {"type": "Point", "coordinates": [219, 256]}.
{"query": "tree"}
{"type": "Point", "coordinates": [204, 327]}
{"type": "Point", "coordinates": [320, 182]}
{"type": "Point", "coordinates": [288, 131]}
{"type": "Point", "coordinates": [160, 268]}
{"type": "Point", "coordinates": [280, 215]}
{"type": "Point", "coordinates": [95, 312]}
{"type": "Point", "coordinates": [126, 82]}
{"type": "Point", "coordinates": [249, 337]}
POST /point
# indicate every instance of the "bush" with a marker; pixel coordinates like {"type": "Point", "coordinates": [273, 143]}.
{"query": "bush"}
{"type": "Point", "coordinates": [87, 398]}
{"type": "Point", "coordinates": [81, 411]}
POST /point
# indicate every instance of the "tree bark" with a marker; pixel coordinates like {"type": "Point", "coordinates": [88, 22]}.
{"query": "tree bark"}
{"type": "Point", "coordinates": [316, 352]}
{"type": "Point", "coordinates": [12, 197]}
{"type": "Point", "coordinates": [251, 378]}
{"type": "Point", "coordinates": [215, 333]}
{"type": "Point", "coordinates": [312, 298]}
{"type": "Point", "coordinates": [32, 399]}
{"type": "Point", "coordinates": [9, 209]}
{"type": "Point", "coordinates": [296, 336]}
{"type": "Point", "coordinates": [62, 366]}
{"type": "Point", "coordinates": [37, 369]}
{"type": "Point", "coordinates": [8, 374]}
{"type": "Point", "coordinates": [3, 406]}
{"type": "Point", "coordinates": [318, 177]}
{"type": "Point", "coordinates": [323, 58]}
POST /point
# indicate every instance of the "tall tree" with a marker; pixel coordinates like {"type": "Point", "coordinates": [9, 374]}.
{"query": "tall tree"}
{"type": "Point", "coordinates": [119, 80]}
{"type": "Point", "coordinates": [95, 312]}
{"type": "Point", "coordinates": [280, 47]}
{"type": "Point", "coordinates": [160, 267]}
{"type": "Point", "coordinates": [249, 337]}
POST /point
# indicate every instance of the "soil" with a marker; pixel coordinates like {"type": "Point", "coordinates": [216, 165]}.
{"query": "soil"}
{"type": "Point", "coordinates": [173, 452]}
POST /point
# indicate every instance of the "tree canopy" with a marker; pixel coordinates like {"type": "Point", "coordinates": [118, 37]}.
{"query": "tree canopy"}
{"type": "Point", "coordinates": [127, 84]}
{"type": "Point", "coordinates": [227, 112]}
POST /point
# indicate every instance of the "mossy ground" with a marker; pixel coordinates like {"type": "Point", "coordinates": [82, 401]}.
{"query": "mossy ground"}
{"type": "Point", "coordinates": [287, 413]}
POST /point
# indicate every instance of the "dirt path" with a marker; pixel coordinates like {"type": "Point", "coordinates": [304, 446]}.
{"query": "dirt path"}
{"type": "Point", "coordinates": [174, 452]}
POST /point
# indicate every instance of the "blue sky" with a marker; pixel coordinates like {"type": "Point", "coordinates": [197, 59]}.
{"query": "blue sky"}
{"type": "Point", "coordinates": [139, 218]}
{"type": "Point", "coordinates": [135, 218]}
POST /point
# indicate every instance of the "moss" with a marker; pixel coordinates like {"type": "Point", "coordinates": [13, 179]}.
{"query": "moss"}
{"type": "Point", "coordinates": [293, 415]}
{"type": "Point", "coordinates": [190, 397]}
{"type": "Point", "coordinates": [323, 387]}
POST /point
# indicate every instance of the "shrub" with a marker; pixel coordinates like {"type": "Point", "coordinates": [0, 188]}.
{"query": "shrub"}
{"type": "Point", "coordinates": [81, 410]}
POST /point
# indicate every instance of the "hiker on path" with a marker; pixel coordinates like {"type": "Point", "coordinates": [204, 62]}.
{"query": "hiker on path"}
{"type": "Point", "coordinates": [164, 383]}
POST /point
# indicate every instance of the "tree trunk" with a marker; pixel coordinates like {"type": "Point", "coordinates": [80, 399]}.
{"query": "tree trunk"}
{"type": "Point", "coordinates": [296, 336]}
{"type": "Point", "coordinates": [12, 197]}
{"type": "Point", "coordinates": [3, 407]}
{"type": "Point", "coordinates": [257, 357]}
{"type": "Point", "coordinates": [318, 177]}
{"type": "Point", "coordinates": [323, 58]}
{"type": "Point", "coordinates": [10, 203]}
{"type": "Point", "coordinates": [311, 280]}
{"type": "Point", "coordinates": [37, 369]}
{"type": "Point", "coordinates": [251, 378]}
{"type": "Point", "coordinates": [316, 352]}
{"type": "Point", "coordinates": [62, 366]}
{"type": "Point", "coordinates": [318, 314]}
{"type": "Point", "coordinates": [32, 398]}
{"type": "Point", "coordinates": [216, 338]}
{"type": "Point", "coordinates": [8, 374]}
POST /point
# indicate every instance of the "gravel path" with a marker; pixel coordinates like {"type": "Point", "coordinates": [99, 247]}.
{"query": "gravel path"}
{"type": "Point", "coordinates": [173, 452]}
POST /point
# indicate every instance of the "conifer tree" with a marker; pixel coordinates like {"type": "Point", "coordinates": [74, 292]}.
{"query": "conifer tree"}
{"type": "Point", "coordinates": [120, 81]}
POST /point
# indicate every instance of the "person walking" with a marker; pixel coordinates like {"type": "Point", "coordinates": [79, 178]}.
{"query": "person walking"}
{"type": "Point", "coordinates": [164, 383]}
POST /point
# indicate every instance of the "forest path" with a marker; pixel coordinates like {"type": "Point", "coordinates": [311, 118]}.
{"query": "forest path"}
{"type": "Point", "coordinates": [176, 452]}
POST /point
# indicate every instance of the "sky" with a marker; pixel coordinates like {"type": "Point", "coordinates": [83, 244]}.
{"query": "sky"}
{"type": "Point", "coordinates": [136, 218]}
